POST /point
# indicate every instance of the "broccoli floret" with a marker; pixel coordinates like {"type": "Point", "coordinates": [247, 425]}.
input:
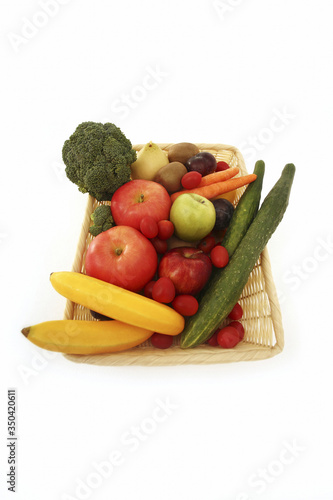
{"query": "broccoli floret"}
{"type": "Point", "coordinates": [98, 158]}
{"type": "Point", "coordinates": [102, 219]}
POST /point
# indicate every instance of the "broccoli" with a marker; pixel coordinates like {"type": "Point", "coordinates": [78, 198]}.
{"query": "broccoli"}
{"type": "Point", "coordinates": [98, 158]}
{"type": "Point", "coordinates": [102, 219]}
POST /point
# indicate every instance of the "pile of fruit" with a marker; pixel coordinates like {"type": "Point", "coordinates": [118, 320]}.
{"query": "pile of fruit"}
{"type": "Point", "coordinates": [170, 252]}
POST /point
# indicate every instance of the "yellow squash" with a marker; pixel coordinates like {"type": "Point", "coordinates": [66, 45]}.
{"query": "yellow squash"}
{"type": "Point", "coordinates": [231, 196]}
{"type": "Point", "coordinates": [85, 337]}
{"type": "Point", "coordinates": [118, 303]}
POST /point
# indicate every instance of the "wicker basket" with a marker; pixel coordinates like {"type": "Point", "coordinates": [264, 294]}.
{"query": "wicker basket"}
{"type": "Point", "coordinates": [261, 319]}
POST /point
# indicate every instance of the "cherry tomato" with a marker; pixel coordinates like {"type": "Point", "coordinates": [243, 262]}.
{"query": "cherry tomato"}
{"type": "Point", "coordinates": [186, 305]}
{"type": "Point", "coordinates": [148, 289]}
{"type": "Point", "coordinates": [207, 244]}
{"type": "Point", "coordinates": [161, 341]}
{"type": "Point", "coordinates": [228, 337]}
{"type": "Point", "coordinates": [148, 226]}
{"type": "Point", "coordinates": [212, 341]}
{"type": "Point", "coordinates": [165, 229]}
{"type": "Point", "coordinates": [191, 180]}
{"type": "Point", "coordinates": [160, 246]}
{"type": "Point", "coordinates": [239, 327]}
{"type": "Point", "coordinates": [219, 256]}
{"type": "Point", "coordinates": [221, 165]}
{"type": "Point", "coordinates": [164, 290]}
{"type": "Point", "coordinates": [236, 312]}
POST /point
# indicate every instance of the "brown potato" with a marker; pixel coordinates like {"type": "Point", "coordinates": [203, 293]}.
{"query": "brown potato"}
{"type": "Point", "coordinates": [182, 152]}
{"type": "Point", "coordinates": [170, 176]}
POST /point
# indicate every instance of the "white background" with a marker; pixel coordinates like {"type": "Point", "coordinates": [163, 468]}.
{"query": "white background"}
{"type": "Point", "coordinates": [226, 70]}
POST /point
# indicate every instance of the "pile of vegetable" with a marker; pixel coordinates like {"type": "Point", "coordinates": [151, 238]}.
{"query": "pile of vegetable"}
{"type": "Point", "coordinates": [171, 250]}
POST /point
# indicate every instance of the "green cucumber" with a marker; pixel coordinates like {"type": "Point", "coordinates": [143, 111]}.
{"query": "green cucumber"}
{"type": "Point", "coordinates": [226, 286]}
{"type": "Point", "coordinates": [245, 211]}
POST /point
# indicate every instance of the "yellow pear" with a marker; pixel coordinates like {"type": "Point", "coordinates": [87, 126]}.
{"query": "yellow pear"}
{"type": "Point", "coordinates": [149, 160]}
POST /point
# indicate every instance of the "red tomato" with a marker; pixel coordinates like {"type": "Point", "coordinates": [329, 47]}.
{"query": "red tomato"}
{"type": "Point", "coordinates": [219, 256]}
{"type": "Point", "coordinates": [239, 327]}
{"type": "Point", "coordinates": [191, 180]}
{"type": "Point", "coordinates": [148, 289]}
{"type": "Point", "coordinates": [148, 226]}
{"type": "Point", "coordinates": [236, 312]}
{"type": "Point", "coordinates": [207, 244]}
{"type": "Point", "coordinates": [228, 337]}
{"type": "Point", "coordinates": [122, 256]}
{"type": "Point", "coordinates": [212, 341]}
{"type": "Point", "coordinates": [161, 341]}
{"type": "Point", "coordinates": [160, 246]}
{"type": "Point", "coordinates": [186, 305]}
{"type": "Point", "coordinates": [165, 229]}
{"type": "Point", "coordinates": [221, 165]}
{"type": "Point", "coordinates": [164, 290]}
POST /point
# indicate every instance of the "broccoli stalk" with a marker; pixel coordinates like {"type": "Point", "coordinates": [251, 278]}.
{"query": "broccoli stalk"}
{"type": "Point", "coordinates": [102, 219]}
{"type": "Point", "coordinates": [98, 159]}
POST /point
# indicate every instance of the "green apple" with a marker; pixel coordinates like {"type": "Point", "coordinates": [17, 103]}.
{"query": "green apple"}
{"type": "Point", "coordinates": [193, 216]}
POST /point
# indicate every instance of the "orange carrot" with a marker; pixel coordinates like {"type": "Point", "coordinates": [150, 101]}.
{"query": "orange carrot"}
{"type": "Point", "coordinates": [220, 176]}
{"type": "Point", "coordinates": [217, 188]}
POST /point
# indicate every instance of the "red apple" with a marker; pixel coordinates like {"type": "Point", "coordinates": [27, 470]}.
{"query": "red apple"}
{"type": "Point", "coordinates": [122, 256]}
{"type": "Point", "coordinates": [188, 268]}
{"type": "Point", "coordinates": [137, 199]}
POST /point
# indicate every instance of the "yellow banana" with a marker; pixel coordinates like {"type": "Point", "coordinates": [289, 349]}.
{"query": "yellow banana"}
{"type": "Point", "coordinates": [118, 303]}
{"type": "Point", "coordinates": [85, 337]}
